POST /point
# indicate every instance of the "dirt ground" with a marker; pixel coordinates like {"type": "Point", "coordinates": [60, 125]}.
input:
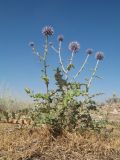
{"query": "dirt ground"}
{"type": "Point", "coordinates": [30, 143]}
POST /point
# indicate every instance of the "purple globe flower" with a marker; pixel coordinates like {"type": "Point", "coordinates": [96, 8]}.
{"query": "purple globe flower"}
{"type": "Point", "coordinates": [89, 51]}
{"type": "Point", "coordinates": [60, 38]}
{"type": "Point", "coordinates": [48, 31]}
{"type": "Point", "coordinates": [31, 44]}
{"type": "Point", "coordinates": [99, 56]}
{"type": "Point", "coordinates": [74, 47]}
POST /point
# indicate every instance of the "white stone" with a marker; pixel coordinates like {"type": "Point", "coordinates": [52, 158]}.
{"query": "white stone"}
{"type": "Point", "coordinates": [114, 111]}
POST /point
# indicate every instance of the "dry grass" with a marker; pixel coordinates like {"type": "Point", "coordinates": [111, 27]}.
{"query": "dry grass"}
{"type": "Point", "coordinates": [38, 144]}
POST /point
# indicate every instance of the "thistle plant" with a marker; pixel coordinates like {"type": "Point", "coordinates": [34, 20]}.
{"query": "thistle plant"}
{"type": "Point", "coordinates": [62, 107]}
{"type": "Point", "coordinates": [73, 47]}
{"type": "Point", "coordinates": [46, 31]}
{"type": "Point", "coordinates": [99, 57]}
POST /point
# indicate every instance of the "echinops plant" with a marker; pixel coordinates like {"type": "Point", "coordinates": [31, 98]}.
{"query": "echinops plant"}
{"type": "Point", "coordinates": [63, 108]}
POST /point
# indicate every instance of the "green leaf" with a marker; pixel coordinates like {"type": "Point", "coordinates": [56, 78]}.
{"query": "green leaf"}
{"type": "Point", "coordinates": [27, 90]}
{"type": "Point", "coordinates": [60, 82]}
{"type": "Point", "coordinates": [38, 95]}
{"type": "Point", "coordinates": [70, 66]}
{"type": "Point", "coordinates": [46, 79]}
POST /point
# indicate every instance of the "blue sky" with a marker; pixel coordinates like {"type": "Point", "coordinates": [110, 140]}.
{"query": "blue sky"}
{"type": "Point", "coordinates": [93, 23]}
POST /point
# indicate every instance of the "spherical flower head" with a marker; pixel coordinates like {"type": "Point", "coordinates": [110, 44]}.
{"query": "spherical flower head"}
{"type": "Point", "coordinates": [99, 56]}
{"type": "Point", "coordinates": [74, 47]}
{"type": "Point", "coordinates": [48, 31]}
{"type": "Point", "coordinates": [31, 44]}
{"type": "Point", "coordinates": [89, 51]}
{"type": "Point", "coordinates": [60, 38]}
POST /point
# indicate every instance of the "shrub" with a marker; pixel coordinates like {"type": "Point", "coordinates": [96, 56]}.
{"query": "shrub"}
{"type": "Point", "coordinates": [68, 106]}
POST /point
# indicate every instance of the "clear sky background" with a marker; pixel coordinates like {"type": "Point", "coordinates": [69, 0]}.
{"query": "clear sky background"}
{"type": "Point", "coordinates": [93, 23]}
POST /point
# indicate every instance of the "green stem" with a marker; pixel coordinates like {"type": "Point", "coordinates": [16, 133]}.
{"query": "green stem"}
{"type": "Point", "coordinates": [70, 63]}
{"type": "Point", "coordinates": [93, 74]}
{"type": "Point", "coordinates": [82, 67]}
{"type": "Point", "coordinates": [36, 53]}
{"type": "Point", "coordinates": [71, 58]}
{"type": "Point", "coordinates": [60, 59]}
{"type": "Point", "coordinates": [45, 63]}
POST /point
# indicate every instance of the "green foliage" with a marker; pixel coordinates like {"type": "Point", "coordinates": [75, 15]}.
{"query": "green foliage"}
{"type": "Point", "coordinates": [70, 66]}
{"type": "Point", "coordinates": [46, 79]}
{"type": "Point", "coordinates": [60, 82]}
{"type": "Point", "coordinates": [69, 105]}
{"type": "Point", "coordinates": [6, 114]}
{"type": "Point", "coordinates": [62, 109]}
{"type": "Point", "coordinates": [98, 126]}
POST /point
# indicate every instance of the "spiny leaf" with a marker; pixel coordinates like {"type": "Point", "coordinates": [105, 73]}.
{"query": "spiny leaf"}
{"type": "Point", "coordinates": [46, 79]}
{"type": "Point", "coordinates": [27, 90]}
{"type": "Point", "coordinates": [70, 66]}
{"type": "Point", "coordinates": [60, 81]}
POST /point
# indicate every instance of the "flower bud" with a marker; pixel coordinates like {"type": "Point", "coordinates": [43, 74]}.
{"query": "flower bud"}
{"type": "Point", "coordinates": [60, 38]}
{"type": "Point", "coordinates": [99, 56]}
